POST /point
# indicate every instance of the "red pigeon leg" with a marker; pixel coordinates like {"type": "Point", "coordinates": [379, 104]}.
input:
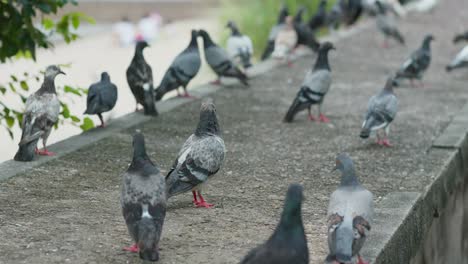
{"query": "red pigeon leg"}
{"type": "Point", "coordinates": [202, 202]}
{"type": "Point", "coordinates": [134, 248]}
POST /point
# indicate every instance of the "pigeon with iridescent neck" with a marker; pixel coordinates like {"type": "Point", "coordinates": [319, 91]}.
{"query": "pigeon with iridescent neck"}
{"type": "Point", "coordinates": [288, 244]}
{"type": "Point", "coordinates": [314, 87]}
{"type": "Point", "coordinates": [102, 97]}
{"type": "Point", "coordinates": [201, 157]}
{"type": "Point", "coordinates": [381, 111]}
{"type": "Point", "coordinates": [41, 114]}
{"type": "Point", "coordinates": [350, 214]}
{"type": "Point", "coordinates": [143, 201]}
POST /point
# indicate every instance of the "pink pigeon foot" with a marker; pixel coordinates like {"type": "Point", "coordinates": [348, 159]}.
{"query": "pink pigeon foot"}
{"type": "Point", "coordinates": [45, 152]}
{"type": "Point", "coordinates": [386, 143]}
{"type": "Point", "coordinates": [312, 118]}
{"type": "Point", "coordinates": [187, 95]}
{"type": "Point", "coordinates": [202, 202]}
{"type": "Point", "coordinates": [323, 118]}
{"type": "Point", "coordinates": [103, 125]}
{"type": "Point", "coordinates": [134, 248]}
{"type": "Point", "coordinates": [290, 64]}
{"type": "Point", "coordinates": [195, 201]}
{"type": "Point", "coordinates": [360, 261]}
{"type": "Point", "coordinates": [216, 82]}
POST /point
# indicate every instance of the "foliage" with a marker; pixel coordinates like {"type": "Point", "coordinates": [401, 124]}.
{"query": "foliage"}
{"type": "Point", "coordinates": [26, 26]}
{"type": "Point", "coordinates": [255, 18]}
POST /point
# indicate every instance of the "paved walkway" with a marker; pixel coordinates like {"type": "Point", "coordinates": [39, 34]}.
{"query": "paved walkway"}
{"type": "Point", "coordinates": [67, 211]}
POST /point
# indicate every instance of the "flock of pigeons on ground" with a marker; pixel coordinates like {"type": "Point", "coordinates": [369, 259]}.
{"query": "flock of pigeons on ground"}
{"type": "Point", "coordinates": [145, 190]}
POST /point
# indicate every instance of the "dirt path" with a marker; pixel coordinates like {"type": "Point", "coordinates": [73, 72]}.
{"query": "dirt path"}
{"type": "Point", "coordinates": [67, 211]}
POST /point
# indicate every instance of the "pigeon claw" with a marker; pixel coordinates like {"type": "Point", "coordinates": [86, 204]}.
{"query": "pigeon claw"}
{"type": "Point", "coordinates": [386, 143]}
{"type": "Point", "coordinates": [312, 118]}
{"type": "Point", "coordinates": [203, 204]}
{"type": "Point", "coordinates": [324, 119]}
{"type": "Point", "coordinates": [134, 248]}
{"type": "Point", "coordinates": [44, 152]}
{"type": "Point", "coordinates": [360, 261]}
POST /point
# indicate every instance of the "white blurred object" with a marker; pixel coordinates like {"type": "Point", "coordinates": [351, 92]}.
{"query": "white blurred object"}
{"type": "Point", "coordinates": [124, 32]}
{"type": "Point", "coordinates": [421, 5]}
{"type": "Point", "coordinates": [148, 27]}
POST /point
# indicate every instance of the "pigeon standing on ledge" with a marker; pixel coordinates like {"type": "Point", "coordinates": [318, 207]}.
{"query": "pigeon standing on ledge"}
{"type": "Point", "coordinates": [387, 25]}
{"type": "Point", "coordinates": [201, 157]}
{"type": "Point", "coordinates": [460, 61]}
{"type": "Point", "coordinates": [381, 111]}
{"type": "Point", "coordinates": [350, 213]}
{"type": "Point", "coordinates": [182, 70]}
{"type": "Point", "coordinates": [102, 97]}
{"type": "Point", "coordinates": [41, 114]}
{"type": "Point", "coordinates": [288, 244]}
{"type": "Point", "coordinates": [219, 61]}
{"type": "Point", "coordinates": [417, 64]}
{"type": "Point", "coordinates": [143, 201]}
{"type": "Point", "coordinates": [140, 80]}
{"type": "Point", "coordinates": [274, 32]}
{"type": "Point", "coordinates": [239, 46]}
{"type": "Point", "coordinates": [314, 87]}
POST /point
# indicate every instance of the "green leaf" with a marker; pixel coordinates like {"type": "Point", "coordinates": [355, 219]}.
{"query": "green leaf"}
{"type": "Point", "coordinates": [12, 87]}
{"type": "Point", "coordinates": [69, 89]}
{"type": "Point", "coordinates": [65, 111]}
{"type": "Point", "coordinates": [2, 89]}
{"type": "Point", "coordinates": [75, 20]}
{"type": "Point", "coordinates": [87, 124]}
{"type": "Point", "coordinates": [14, 78]}
{"type": "Point", "coordinates": [10, 121]}
{"type": "Point", "coordinates": [75, 119]}
{"type": "Point", "coordinates": [48, 23]}
{"type": "Point", "coordinates": [24, 85]}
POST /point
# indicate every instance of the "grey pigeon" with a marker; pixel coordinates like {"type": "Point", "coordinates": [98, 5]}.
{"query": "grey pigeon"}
{"type": "Point", "coordinates": [314, 87]}
{"type": "Point", "coordinates": [417, 64]}
{"type": "Point", "coordinates": [182, 70]}
{"type": "Point", "coordinates": [143, 201]}
{"type": "Point", "coordinates": [333, 19]}
{"type": "Point", "coordinates": [387, 25]}
{"type": "Point", "coordinates": [305, 35]}
{"type": "Point", "coordinates": [270, 47]}
{"type": "Point", "coordinates": [351, 11]}
{"type": "Point", "coordinates": [350, 213]}
{"type": "Point", "coordinates": [381, 111]}
{"type": "Point", "coordinates": [201, 157]}
{"type": "Point", "coordinates": [460, 61]}
{"type": "Point", "coordinates": [140, 80]}
{"type": "Point", "coordinates": [461, 37]}
{"type": "Point", "coordinates": [318, 20]}
{"type": "Point", "coordinates": [102, 97]}
{"type": "Point", "coordinates": [239, 46]}
{"type": "Point", "coordinates": [288, 244]}
{"type": "Point", "coordinates": [41, 114]}
{"type": "Point", "coordinates": [219, 60]}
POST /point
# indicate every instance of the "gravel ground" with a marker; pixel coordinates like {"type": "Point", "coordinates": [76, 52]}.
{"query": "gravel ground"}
{"type": "Point", "coordinates": [67, 211]}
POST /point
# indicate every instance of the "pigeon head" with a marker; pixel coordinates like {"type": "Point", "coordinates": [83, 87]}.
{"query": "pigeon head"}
{"type": "Point", "coordinates": [292, 204]}
{"type": "Point", "coordinates": [322, 59]}
{"type": "Point", "coordinates": [52, 71]}
{"type": "Point", "coordinates": [391, 82]}
{"type": "Point", "coordinates": [299, 13]}
{"type": "Point", "coordinates": [283, 13]}
{"type": "Point", "coordinates": [346, 166]}
{"type": "Point", "coordinates": [105, 76]}
{"type": "Point", "coordinates": [427, 41]}
{"type": "Point", "coordinates": [148, 239]}
{"type": "Point", "coordinates": [139, 149]}
{"type": "Point", "coordinates": [207, 42]}
{"type": "Point", "coordinates": [194, 33]}
{"type": "Point", "coordinates": [327, 46]}
{"type": "Point", "coordinates": [141, 45]}
{"type": "Point", "coordinates": [233, 26]}
{"type": "Point", "coordinates": [323, 3]}
{"type": "Point", "coordinates": [208, 123]}
{"type": "Point", "coordinates": [381, 7]}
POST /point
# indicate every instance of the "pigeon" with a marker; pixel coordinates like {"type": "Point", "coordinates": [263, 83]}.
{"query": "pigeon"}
{"type": "Point", "coordinates": [381, 111]}
{"type": "Point", "coordinates": [417, 64]}
{"type": "Point", "coordinates": [140, 80]}
{"type": "Point", "coordinates": [201, 157]}
{"type": "Point", "coordinates": [285, 41]}
{"type": "Point", "coordinates": [305, 35]}
{"type": "Point", "coordinates": [143, 201]}
{"type": "Point", "coordinates": [460, 61]}
{"type": "Point", "coordinates": [333, 18]}
{"type": "Point", "coordinates": [314, 87]}
{"type": "Point", "coordinates": [387, 25]}
{"type": "Point", "coordinates": [351, 11]}
{"type": "Point", "coordinates": [461, 37]}
{"type": "Point", "coordinates": [102, 97]}
{"type": "Point", "coordinates": [350, 213]}
{"type": "Point", "coordinates": [219, 61]}
{"type": "Point", "coordinates": [41, 114]}
{"type": "Point", "coordinates": [319, 19]}
{"type": "Point", "coordinates": [274, 32]}
{"type": "Point", "coordinates": [288, 244]}
{"type": "Point", "coordinates": [370, 6]}
{"type": "Point", "coordinates": [182, 70]}
{"type": "Point", "coordinates": [239, 46]}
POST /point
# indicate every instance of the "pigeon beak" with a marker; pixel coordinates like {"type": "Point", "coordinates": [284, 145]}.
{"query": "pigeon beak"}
{"type": "Point", "coordinates": [334, 169]}
{"type": "Point", "coordinates": [61, 72]}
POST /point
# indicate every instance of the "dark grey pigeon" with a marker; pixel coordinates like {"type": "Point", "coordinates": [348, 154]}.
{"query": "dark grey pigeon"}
{"type": "Point", "coordinates": [381, 111]}
{"type": "Point", "coordinates": [41, 114]}
{"type": "Point", "coordinates": [201, 157]}
{"type": "Point", "coordinates": [102, 97]}
{"type": "Point", "coordinates": [350, 213]}
{"type": "Point", "coordinates": [143, 201]}
{"type": "Point", "coordinates": [219, 60]}
{"type": "Point", "coordinates": [182, 70]}
{"type": "Point", "coordinates": [288, 244]}
{"type": "Point", "coordinates": [461, 37]}
{"type": "Point", "coordinates": [386, 24]}
{"type": "Point", "coordinates": [319, 19]}
{"type": "Point", "coordinates": [417, 64]}
{"type": "Point", "coordinates": [314, 87]}
{"type": "Point", "coordinates": [140, 80]}
{"type": "Point", "coordinates": [305, 35]}
{"type": "Point", "coordinates": [270, 47]}
{"type": "Point", "coordinates": [460, 61]}
{"type": "Point", "coordinates": [334, 17]}
{"type": "Point", "coordinates": [351, 11]}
